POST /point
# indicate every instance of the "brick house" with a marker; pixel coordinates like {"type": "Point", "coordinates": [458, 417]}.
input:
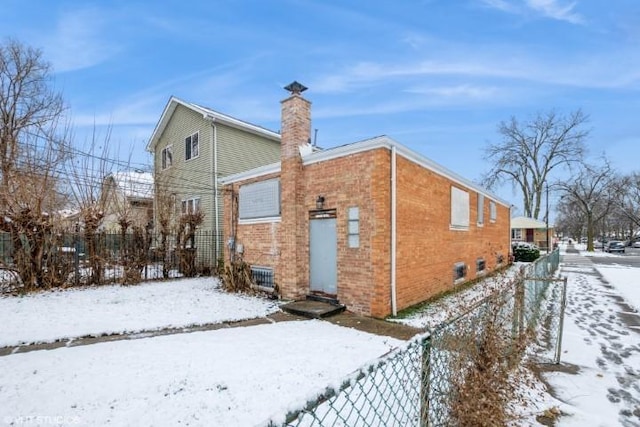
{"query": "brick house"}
{"type": "Point", "coordinates": [371, 224]}
{"type": "Point", "coordinates": [530, 230]}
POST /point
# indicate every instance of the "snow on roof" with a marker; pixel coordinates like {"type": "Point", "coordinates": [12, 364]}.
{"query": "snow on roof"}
{"type": "Point", "coordinates": [134, 184]}
{"type": "Point", "coordinates": [524, 222]}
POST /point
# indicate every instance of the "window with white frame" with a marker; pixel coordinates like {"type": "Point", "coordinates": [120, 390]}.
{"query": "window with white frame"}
{"type": "Point", "coordinates": [516, 234]}
{"type": "Point", "coordinates": [167, 156]}
{"type": "Point", "coordinates": [191, 146]}
{"type": "Point", "coordinates": [480, 209]}
{"type": "Point", "coordinates": [259, 200]}
{"type": "Point", "coordinates": [459, 209]}
{"type": "Point", "coordinates": [493, 211]}
{"type": "Point", "coordinates": [190, 206]}
{"type": "Point", "coordinates": [353, 227]}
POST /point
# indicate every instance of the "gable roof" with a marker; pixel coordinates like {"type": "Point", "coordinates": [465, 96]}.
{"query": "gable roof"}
{"type": "Point", "coordinates": [134, 184]}
{"type": "Point", "coordinates": [382, 141]}
{"type": "Point", "coordinates": [525, 222]}
{"type": "Point", "coordinates": [207, 113]}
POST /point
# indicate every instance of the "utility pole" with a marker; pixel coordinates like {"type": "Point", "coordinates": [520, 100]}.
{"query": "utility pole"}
{"type": "Point", "coordinates": [547, 188]}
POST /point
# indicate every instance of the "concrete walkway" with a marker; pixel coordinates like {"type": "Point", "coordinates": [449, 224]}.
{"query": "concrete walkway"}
{"type": "Point", "coordinates": [345, 319]}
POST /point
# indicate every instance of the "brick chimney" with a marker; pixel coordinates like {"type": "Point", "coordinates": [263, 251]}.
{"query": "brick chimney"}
{"type": "Point", "coordinates": [295, 132]}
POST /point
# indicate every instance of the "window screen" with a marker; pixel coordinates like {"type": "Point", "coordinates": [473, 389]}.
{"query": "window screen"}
{"type": "Point", "coordinates": [260, 199]}
{"type": "Point", "coordinates": [459, 209]}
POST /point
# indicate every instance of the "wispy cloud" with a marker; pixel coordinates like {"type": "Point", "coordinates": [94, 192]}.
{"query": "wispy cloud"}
{"type": "Point", "coordinates": [502, 5]}
{"type": "Point", "coordinates": [80, 40]}
{"type": "Point", "coordinates": [553, 9]}
{"type": "Point", "coordinates": [457, 92]}
{"type": "Point", "coordinates": [586, 70]}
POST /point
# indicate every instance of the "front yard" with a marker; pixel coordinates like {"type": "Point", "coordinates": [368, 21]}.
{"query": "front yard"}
{"type": "Point", "coordinates": [78, 312]}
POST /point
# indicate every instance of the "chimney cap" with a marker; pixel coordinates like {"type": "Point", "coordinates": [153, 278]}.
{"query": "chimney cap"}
{"type": "Point", "coordinates": [295, 88]}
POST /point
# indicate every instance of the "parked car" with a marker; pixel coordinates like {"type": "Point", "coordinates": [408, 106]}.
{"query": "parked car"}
{"type": "Point", "coordinates": [614, 246]}
{"type": "Point", "coordinates": [636, 244]}
{"type": "Point", "coordinates": [600, 244]}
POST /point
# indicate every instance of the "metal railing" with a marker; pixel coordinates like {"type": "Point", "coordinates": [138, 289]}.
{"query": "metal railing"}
{"type": "Point", "coordinates": [415, 385]}
{"type": "Point", "coordinates": [115, 253]}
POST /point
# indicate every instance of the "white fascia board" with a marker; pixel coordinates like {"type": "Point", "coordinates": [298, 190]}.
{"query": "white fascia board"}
{"type": "Point", "coordinates": [387, 142]}
{"type": "Point", "coordinates": [206, 113]}
{"type": "Point", "coordinates": [162, 123]}
{"type": "Point", "coordinates": [251, 174]}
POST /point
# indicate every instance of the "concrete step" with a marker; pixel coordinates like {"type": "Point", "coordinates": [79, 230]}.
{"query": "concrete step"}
{"type": "Point", "coordinates": [313, 309]}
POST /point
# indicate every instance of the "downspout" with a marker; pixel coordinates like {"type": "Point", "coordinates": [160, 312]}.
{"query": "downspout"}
{"type": "Point", "coordinates": [394, 305]}
{"type": "Point", "coordinates": [216, 217]}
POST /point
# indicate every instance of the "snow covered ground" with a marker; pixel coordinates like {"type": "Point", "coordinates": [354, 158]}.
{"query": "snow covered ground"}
{"type": "Point", "coordinates": [600, 347]}
{"type": "Point", "coordinates": [229, 377]}
{"type": "Point", "coordinates": [78, 312]}
{"type": "Point", "coordinates": [244, 376]}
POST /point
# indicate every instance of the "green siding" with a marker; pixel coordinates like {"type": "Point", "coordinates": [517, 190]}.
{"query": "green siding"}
{"type": "Point", "coordinates": [238, 151]}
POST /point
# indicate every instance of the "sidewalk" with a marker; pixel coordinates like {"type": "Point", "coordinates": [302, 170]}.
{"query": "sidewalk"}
{"type": "Point", "coordinates": [598, 381]}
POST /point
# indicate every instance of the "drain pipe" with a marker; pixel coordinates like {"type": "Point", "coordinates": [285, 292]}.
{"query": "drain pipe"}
{"type": "Point", "coordinates": [214, 159]}
{"type": "Point", "coordinates": [394, 305]}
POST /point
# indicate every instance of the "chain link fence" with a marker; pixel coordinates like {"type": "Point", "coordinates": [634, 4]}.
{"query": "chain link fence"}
{"type": "Point", "coordinates": [416, 385]}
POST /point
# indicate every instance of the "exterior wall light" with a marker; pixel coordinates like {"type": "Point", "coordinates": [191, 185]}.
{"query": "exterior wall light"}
{"type": "Point", "coordinates": [320, 202]}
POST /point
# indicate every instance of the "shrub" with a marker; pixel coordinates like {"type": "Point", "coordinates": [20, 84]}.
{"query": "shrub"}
{"type": "Point", "coordinates": [526, 253]}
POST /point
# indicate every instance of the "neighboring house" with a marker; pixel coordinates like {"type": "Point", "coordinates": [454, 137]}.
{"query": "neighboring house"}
{"type": "Point", "coordinates": [371, 224]}
{"type": "Point", "coordinates": [192, 147]}
{"type": "Point", "coordinates": [127, 194]}
{"type": "Point", "coordinates": [530, 230]}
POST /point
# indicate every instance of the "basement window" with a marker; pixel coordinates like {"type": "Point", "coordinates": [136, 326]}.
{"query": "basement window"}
{"type": "Point", "coordinates": [353, 227]}
{"type": "Point", "coordinates": [191, 146]}
{"type": "Point", "coordinates": [481, 265]}
{"type": "Point", "coordinates": [263, 277]}
{"type": "Point", "coordinates": [459, 272]}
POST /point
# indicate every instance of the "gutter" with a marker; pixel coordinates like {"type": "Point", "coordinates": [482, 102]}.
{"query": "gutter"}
{"type": "Point", "coordinates": [394, 304]}
{"type": "Point", "coordinates": [216, 209]}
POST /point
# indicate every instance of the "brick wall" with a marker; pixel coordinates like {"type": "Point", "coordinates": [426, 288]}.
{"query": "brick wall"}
{"type": "Point", "coordinates": [427, 248]}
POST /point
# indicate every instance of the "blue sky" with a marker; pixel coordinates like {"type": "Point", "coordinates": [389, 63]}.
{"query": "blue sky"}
{"type": "Point", "coordinates": [436, 75]}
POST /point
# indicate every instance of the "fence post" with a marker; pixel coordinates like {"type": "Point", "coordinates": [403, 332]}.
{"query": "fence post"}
{"type": "Point", "coordinates": [76, 256]}
{"type": "Point", "coordinates": [425, 387]}
{"type": "Point", "coordinates": [563, 303]}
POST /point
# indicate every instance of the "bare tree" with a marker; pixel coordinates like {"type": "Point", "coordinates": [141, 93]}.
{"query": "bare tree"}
{"type": "Point", "coordinates": [33, 145]}
{"type": "Point", "coordinates": [570, 219]}
{"type": "Point", "coordinates": [86, 174]}
{"type": "Point", "coordinates": [531, 150]}
{"type": "Point", "coordinates": [591, 191]}
{"type": "Point", "coordinates": [629, 198]}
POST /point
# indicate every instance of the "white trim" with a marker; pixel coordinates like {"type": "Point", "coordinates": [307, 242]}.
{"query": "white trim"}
{"type": "Point", "coordinates": [259, 220]}
{"type": "Point", "coordinates": [173, 103]}
{"type": "Point", "coordinates": [367, 145]}
{"type": "Point", "coordinates": [251, 173]}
